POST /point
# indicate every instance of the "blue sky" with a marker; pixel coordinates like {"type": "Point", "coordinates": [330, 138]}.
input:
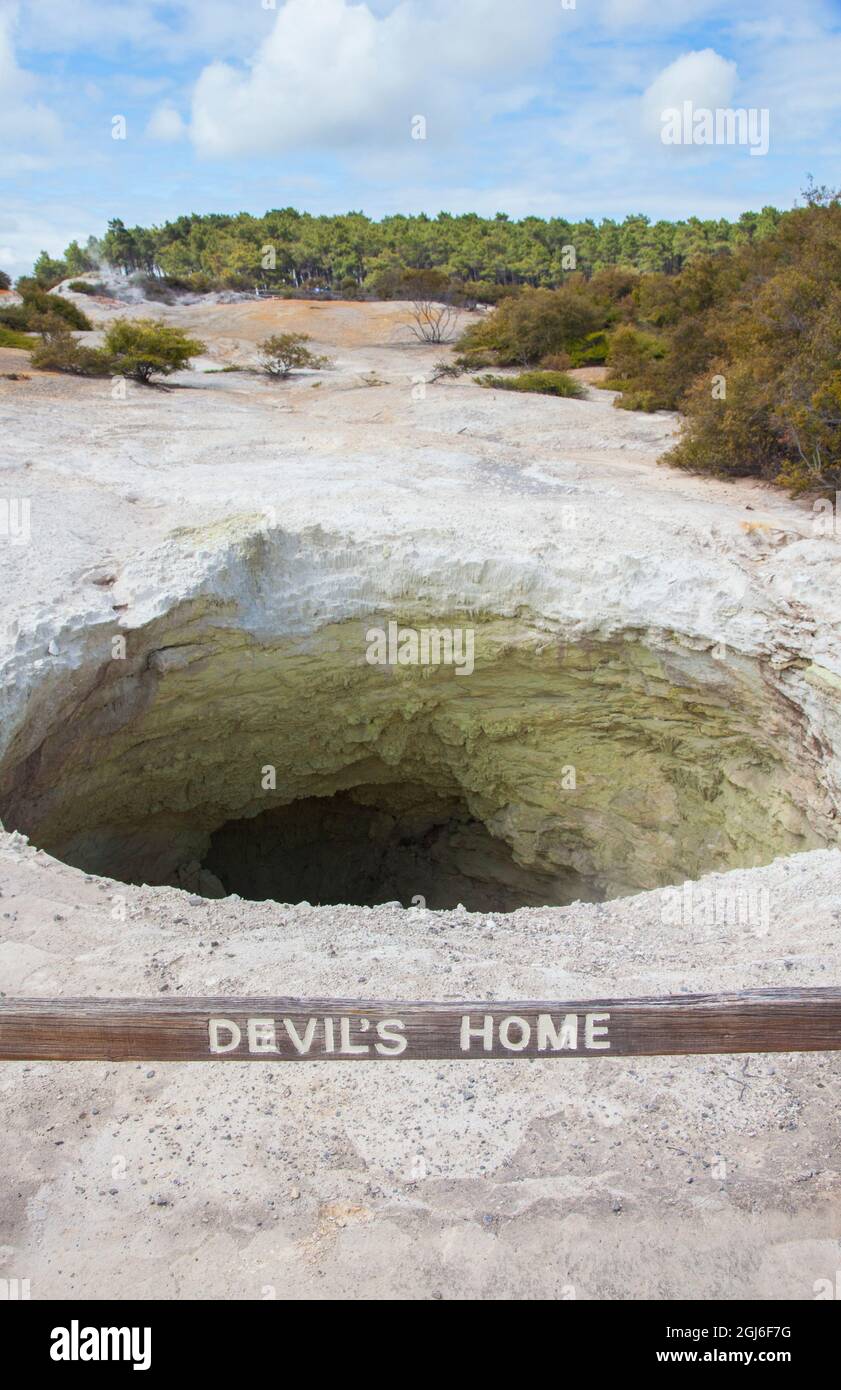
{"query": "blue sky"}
{"type": "Point", "coordinates": [531, 106]}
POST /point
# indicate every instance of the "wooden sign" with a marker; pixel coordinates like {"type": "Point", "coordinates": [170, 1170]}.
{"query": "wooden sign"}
{"type": "Point", "coordinates": [298, 1030]}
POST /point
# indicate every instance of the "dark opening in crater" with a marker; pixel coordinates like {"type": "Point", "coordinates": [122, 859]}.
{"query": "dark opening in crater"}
{"type": "Point", "coordinates": [294, 770]}
{"type": "Point", "coordinates": [378, 844]}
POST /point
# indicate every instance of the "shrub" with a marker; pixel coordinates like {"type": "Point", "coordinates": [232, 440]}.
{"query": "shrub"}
{"type": "Point", "coordinates": [657, 375]}
{"type": "Point", "coordinates": [59, 351]}
{"type": "Point", "coordinates": [473, 361]}
{"type": "Point", "coordinates": [556, 362]}
{"type": "Point", "coordinates": [143, 348]}
{"type": "Point", "coordinates": [541, 383]}
{"type": "Point", "coordinates": [590, 351]}
{"type": "Point", "coordinates": [733, 437]}
{"type": "Point", "coordinates": [638, 398]}
{"type": "Point", "coordinates": [5, 281]}
{"type": "Point", "coordinates": [446, 371]}
{"type": "Point", "coordinates": [426, 284]}
{"type": "Point", "coordinates": [85, 287]}
{"type": "Point", "coordinates": [193, 284]}
{"type": "Point", "coordinates": [284, 353]}
{"type": "Point", "coordinates": [765, 322]}
{"type": "Point", "coordinates": [9, 338]}
{"type": "Point", "coordinates": [616, 284]}
{"type": "Point", "coordinates": [482, 292]}
{"type": "Point", "coordinates": [811, 434]}
{"type": "Point", "coordinates": [37, 307]}
{"type": "Point", "coordinates": [431, 322]}
{"type": "Point", "coordinates": [38, 304]}
{"type": "Point", "coordinates": [628, 354]}
{"type": "Point", "coordinates": [153, 287]}
{"type": "Point", "coordinates": [14, 316]}
{"type": "Point", "coordinates": [534, 324]}
{"type": "Point", "coordinates": [65, 309]}
{"type": "Point", "coordinates": [390, 279]}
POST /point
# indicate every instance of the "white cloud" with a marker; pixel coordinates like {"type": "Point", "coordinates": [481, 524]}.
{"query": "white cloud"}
{"type": "Point", "coordinates": [25, 230]}
{"type": "Point", "coordinates": [165, 124]}
{"type": "Point", "coordinates": [623, 13]}
{"type": "Point", "coordinates": [530, 106]}
{"type": "Point", "coordinates": [798, 81]}
{"type": "Point", "coordinates": [175, 30]}
{"type": "Point", "coordinates": [333, 73]}
{"type": "Point", "coordinates": [704, 78]}
{"type": "Point", "coordinates": [28, 129]}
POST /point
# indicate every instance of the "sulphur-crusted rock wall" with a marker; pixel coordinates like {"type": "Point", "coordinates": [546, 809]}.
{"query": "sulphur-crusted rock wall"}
{"type": "Point", "coordinates": [604, 767]}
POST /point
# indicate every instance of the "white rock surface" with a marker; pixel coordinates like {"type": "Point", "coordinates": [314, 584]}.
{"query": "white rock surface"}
{"type": "Point", "coordinates": [660, 1177]}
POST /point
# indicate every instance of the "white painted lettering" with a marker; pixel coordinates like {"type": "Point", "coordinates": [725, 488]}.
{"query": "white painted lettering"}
{"type": "Point", "coordinates": [215, 1027]}
{"type": "Point", "coordinates": [261, 1035]}
{"type": "Point", "coordinates": [486, 1033]}
{"type": "Point", "coordinates": [548, 1035]}
{"type": "Point", "coordinates": [523, 1029]}
{"type": "Point", "coordinates": [392, 1042]}
{"type": "Point", "coordinates": [300, 1044]}
{"type": "Point", "coordinates": [348, 1047]}
{"type": "Point", "coordinates": [595, 1026]}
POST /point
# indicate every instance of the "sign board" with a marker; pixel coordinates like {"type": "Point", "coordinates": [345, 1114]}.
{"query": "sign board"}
{"type": "Point", "coordinates": [314, 1030]}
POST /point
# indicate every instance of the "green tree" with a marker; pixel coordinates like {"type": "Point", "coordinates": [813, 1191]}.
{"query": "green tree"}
{"type": "Point", "coordinates": [48, 271]}
{"type": "Point", "coordinates": [77, 261]}
{"type": "Point", "coordinates": [284, 353]}
{"type": "Point", "coordinates": [143, 348]}
{"type": "Point", "coordinates": [120, 248]}
{"type": "Point", "coordinates": [333, 250]}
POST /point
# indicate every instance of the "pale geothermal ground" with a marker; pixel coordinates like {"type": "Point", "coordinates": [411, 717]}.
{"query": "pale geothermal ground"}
{"type": "Point", "coordinates": [677, 640]}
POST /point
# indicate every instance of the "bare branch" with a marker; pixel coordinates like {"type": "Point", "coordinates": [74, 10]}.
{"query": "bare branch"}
{"type": "Point", "coordinates": [431, 322]}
